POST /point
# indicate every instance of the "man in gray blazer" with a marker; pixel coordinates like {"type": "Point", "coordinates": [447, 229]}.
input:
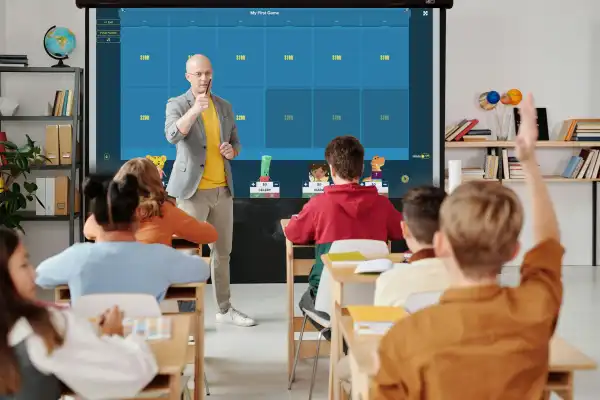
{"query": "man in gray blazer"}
{"type": "Point", "coordinates": [202, 126]}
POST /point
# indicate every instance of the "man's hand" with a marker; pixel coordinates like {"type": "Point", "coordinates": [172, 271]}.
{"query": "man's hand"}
{"type": "Point", "coordinates": [200, 104]}
{"type": "Point", "coordinates": [227, 151]}
{"type": "Point", "coordinates": [528, 131]}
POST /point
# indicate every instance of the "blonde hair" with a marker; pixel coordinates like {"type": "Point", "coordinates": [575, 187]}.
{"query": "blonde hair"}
{"type": "Point", "coordinates": [482, 222]}
{"type": "Point", "coordinates": [152, 192]}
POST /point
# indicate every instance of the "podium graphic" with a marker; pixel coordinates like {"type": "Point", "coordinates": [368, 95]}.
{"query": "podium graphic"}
{"type": "Point", "coordinates": [310, 189]}
{"type": "Point", "coordinates": [264, 190]}
{"type": "Point", "coordinates": [381, 185]}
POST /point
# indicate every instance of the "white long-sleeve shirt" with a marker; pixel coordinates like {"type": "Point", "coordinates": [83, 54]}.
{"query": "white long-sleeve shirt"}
{"type": "Point", "coordinates": [94, 367]}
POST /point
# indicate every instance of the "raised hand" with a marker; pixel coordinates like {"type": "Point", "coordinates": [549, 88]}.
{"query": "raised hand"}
{"type": "Point", "coordinates": [111, 322]}
{"type": "Point", "coordinates": [202, 100]}
{"type": "Point", "coordinates": [528, 131]}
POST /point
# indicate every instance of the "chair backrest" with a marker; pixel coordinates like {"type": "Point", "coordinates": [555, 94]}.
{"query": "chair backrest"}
{"type": "Point", "coordinates": [421, 300]}
{"type": "Point", "coordinates": [132, 305]}
{"type": "Point", "coordinates": [365, 246]}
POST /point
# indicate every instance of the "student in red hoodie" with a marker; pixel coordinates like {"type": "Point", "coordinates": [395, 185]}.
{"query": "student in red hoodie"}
{"type": "Point", "coordinates": [346, 210]}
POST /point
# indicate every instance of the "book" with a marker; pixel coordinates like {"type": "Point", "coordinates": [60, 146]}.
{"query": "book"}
{"type": "Point", "coordinates": [374, 320]}
{"type": "Point", "coordinates": [542, 123]}
{"type": "Point", "coordinates": [376, 266]}
{"type": "Point", "coordinates": [351, 257]}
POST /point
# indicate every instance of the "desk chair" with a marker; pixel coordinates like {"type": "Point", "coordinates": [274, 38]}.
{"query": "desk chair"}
{"type": "Point", "coordinates": [133, 306]}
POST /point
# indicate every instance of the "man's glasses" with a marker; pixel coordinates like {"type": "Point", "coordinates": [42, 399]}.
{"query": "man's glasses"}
{"type": "Point", "coordinates": [199, 74]}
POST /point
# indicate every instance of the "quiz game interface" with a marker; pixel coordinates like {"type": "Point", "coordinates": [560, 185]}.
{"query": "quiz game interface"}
{"type": "Point", "coordinates": [296, 78]}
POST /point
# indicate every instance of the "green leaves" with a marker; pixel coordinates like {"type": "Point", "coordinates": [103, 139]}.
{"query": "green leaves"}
{"type": "Point", "coordinates": [13, 197]}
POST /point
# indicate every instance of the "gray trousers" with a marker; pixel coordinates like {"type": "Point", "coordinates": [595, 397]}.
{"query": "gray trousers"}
{"type": "Point", "coordinates": [215, 206]}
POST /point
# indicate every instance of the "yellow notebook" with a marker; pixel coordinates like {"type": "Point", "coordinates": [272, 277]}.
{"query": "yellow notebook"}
{"type": "Point", "coordinates": [373, 320]}
{"type": "Point", "coordinates": [346, 258]}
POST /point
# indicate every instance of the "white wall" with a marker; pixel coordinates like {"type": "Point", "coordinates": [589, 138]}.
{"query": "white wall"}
{"type": "Point", "coordinates": [22, 30]}
{"type": "Point", "coordinates": [546, 47]}
{"type": "Point", "coordinates": [543, 46]}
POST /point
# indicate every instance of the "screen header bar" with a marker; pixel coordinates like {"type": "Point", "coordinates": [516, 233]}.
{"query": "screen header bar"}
{"type": "Point", "coordinates": [446, 4]}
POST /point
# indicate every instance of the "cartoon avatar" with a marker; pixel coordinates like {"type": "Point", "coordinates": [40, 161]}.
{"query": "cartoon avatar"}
{"type": "Point", "coordinates": [319, 173]}
{"type": "Point", "coordinates": [376, 173]}
{"type": "Point", "coordinates": [159, 161]}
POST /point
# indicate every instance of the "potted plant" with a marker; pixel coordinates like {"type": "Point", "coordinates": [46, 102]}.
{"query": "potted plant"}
{"type": "Point", "coordinates": [16, 162]}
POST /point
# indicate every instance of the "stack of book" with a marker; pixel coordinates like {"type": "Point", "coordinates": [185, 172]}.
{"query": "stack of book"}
{"type": "Point", "coordinates": [63, 103]}
{"type": "Point", "coordinates": [470, 174]}
{"type": "Point", "coordinates": [13, 60]}
{"type": "Point", "coordinates": [581, 130]}
{"type": "Point", "coordinates": [586, 165]}
{"type": "Point", "coordinates": [515, 171]}
{"type": "Point", "coordinates": [458, 131]}
{"type": "Point", "coordinates": [478, 135]}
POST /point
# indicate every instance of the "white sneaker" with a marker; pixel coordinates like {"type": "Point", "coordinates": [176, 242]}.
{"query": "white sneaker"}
{"type": "Point", "coordinates": [234, 317]}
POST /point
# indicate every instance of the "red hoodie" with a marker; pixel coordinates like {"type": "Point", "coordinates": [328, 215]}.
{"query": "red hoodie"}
{"type": "Point", "coordinates": [347, 211]}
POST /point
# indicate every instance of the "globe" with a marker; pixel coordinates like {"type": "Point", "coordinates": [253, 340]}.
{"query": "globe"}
{"type": "Point", "coordinates": [59, 42]}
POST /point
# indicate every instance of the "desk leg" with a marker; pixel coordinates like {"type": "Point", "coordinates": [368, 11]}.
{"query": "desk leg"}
{"type": "Point", "coordinates": [336, 342]}
{"type": "Point", "coordinates": [567, 393]}
{"type": "Point", "coordinates": [199, 345]}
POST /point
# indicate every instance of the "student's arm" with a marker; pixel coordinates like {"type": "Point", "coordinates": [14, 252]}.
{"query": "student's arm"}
{"type": "Point", "coordinates": [58, 269]}
{"type": "Point", "coordinates": [91, 229]}
{"type": "Point", "coordinates": [388, 382]}
{"type": "Point", "coordinates": [542, 265]}
{"type": "Point", "coordinates": [95, 367]}
{"type": "Point", "coordinates": [187, 227]}
{"type": "Point", "coordinates": [185, 268]}
{"type": "Point", "coordinates": [302, 227]}
{"type": "Point", "coordinates": [393, 223]}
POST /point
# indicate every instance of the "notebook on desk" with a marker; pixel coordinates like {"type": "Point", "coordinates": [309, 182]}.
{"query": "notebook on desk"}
{"type": "Point", "coordinates": [374, 266]}
{"type": "Point", "coordinates": [374, 320]}
{"type": "Point", "coordinates": [350, 257]}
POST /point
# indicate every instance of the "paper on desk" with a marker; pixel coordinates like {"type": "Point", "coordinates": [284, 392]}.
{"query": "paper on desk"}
{"type": "Point", "coordinates": [374, 266]}
{"type": "Point", "coordinates": [375, 320]}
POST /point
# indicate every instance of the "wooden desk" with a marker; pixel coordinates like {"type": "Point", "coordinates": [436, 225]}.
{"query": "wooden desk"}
{"type": "Point", "coordinates": [564, 361]}
{"type": "Point", "coordinates": [195, 351]}
{"type": "Point", "coordinates": [343, 274]}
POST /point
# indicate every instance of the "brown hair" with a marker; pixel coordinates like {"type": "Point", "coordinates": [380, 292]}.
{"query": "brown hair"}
{"type": "Point", "coordinates": [421, 211]}
{"type": "Point", "coordinates": [12, 308]}
{"type": "Point", "coordinates": [482, 221]}
{"type": "Point", "coordinates": [346, 155]}
{"type": "Point", "coordinates": [152, 192]}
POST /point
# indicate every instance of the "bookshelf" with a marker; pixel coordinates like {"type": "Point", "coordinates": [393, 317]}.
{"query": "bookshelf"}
{"type": "Point", "coordinates": [511, 144]}
{"type": "Point", "coordinates": [74, 170]}
{"type": "Point", "coordinates": [549, 144]}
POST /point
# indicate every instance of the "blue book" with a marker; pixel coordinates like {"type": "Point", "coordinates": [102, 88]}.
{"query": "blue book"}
{"type": "Point", "coordinates": [570, 169]}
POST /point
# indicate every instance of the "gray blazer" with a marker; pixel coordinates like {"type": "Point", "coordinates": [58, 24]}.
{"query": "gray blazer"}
{"type": "Point", "coordinates": [191, 148]}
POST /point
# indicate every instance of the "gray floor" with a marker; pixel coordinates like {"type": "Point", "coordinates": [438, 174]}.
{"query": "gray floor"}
{"type": "Point", "coordinates": [250, 363]}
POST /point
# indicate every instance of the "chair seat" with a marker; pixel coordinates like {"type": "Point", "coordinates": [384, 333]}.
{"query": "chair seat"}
{"type": "Point", "coordinates": [325, 323]}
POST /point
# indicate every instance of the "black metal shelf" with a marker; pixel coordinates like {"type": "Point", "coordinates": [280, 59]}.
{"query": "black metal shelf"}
{"type": "Point", "coordinates": [45, 70]}
{"type": "Point", "coordinates": [32, 216]}
{"type": "Point", "coordinates": [64, 167]}
{"type": "Point", "coordinates": [78, 137]}
{"type": "Point", "coordinates": [44, 118]}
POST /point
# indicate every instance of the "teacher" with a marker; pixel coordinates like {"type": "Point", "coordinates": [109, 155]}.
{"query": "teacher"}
{"type": "Point", "coordinates": [202, 126]}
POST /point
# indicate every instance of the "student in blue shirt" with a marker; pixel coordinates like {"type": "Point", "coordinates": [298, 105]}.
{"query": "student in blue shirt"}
{"type": "Point", "coordinates": [117, 263]}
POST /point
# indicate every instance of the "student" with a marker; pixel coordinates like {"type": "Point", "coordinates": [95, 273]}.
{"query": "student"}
{"type": "Point", "coordinates": [345, 210]}
{"type": "Point", "coordinates": [158, 217]}
{"type": "Point", "coordinates": [425, 272]}
{"type": "Point", "coordinates": [483, 341]}
{"type": "Point", "coordinates": [117, 263]}
{"type": "Point", "coordinates": [42, 347]}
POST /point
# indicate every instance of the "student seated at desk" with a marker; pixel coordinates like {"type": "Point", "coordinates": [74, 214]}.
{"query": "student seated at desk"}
{"type": "Point", "coordinates": [43, 348]}
{"type": "Point", "coordinates": [117, 263]}
{"type": "Point", "coordinates": [483, 341]}
{"type": "Point", "coordinates": [158, 217]}
{"type": "Point", "coordinates": [425, 272]}
{"type": "Point", "coordinates": [345, 210]}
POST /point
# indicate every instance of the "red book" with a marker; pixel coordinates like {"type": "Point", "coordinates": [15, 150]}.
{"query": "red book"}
{"type": "Point", "coordinates": [467, 129]}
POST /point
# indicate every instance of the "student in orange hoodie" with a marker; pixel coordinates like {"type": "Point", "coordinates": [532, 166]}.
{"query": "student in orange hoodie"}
{"type": "Point", "coordinates": [158, 218]}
